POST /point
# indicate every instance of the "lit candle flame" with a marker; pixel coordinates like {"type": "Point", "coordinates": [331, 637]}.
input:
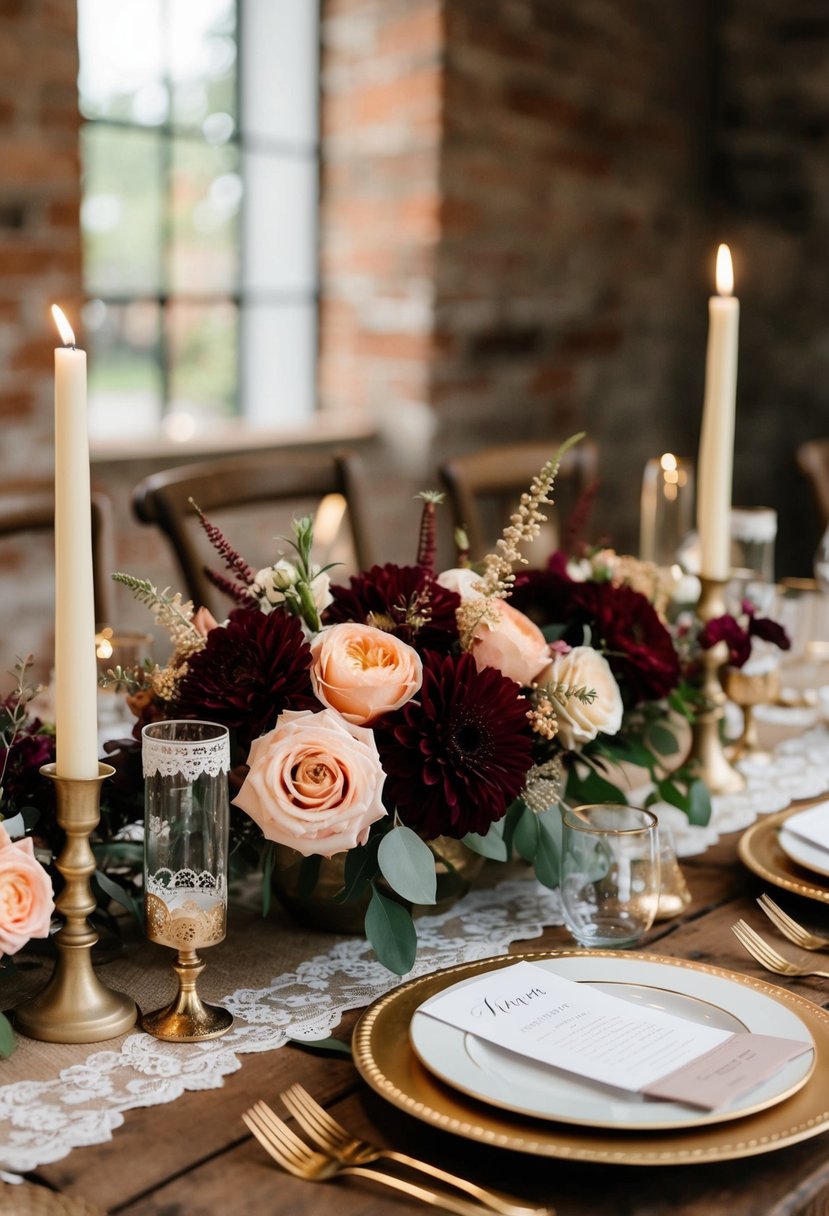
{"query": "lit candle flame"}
{"type": "Point", "coordinates": [67, 335]}
{"type": "Point", "coordinates": [725, 271]}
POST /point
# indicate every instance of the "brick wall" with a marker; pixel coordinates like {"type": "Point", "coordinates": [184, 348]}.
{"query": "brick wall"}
{"type": "Point", "coordinates": [771, 187]}
{"type": "Point", "coordinates": [40, 264]}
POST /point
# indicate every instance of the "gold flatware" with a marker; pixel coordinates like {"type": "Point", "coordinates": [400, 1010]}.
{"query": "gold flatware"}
{"type": "Point", "coordinates": [791, 928]}
{"type": "Point", "coordinates": [767, 956]}
{"type": "Point", "coordinates": [333, 1138]}
{"type": "Point", "coordinates": [298, 1158]}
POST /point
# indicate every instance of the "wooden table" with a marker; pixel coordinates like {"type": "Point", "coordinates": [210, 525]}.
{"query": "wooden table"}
{"type": "Point", "coordinates": [193, 1157]}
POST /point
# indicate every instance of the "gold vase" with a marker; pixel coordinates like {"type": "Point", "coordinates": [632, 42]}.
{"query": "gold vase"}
{"type": "Point", "coordinates": [456, 867]}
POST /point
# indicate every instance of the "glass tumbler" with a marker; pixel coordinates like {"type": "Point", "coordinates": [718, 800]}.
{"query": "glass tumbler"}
{"type": "Point", "coordinates": [609, 873]}
{"type": "Point", "coordinates": [186, 824]}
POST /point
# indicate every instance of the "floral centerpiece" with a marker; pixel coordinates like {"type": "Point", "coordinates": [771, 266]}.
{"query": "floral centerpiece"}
{"type": "Point", "coordinates": [377, 719]}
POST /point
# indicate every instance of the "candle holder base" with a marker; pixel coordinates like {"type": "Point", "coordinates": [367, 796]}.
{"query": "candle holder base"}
{"type": "Point", "coordinates": [187, 1019]}
{"type": "Point", "coordinates": [74, 1006]}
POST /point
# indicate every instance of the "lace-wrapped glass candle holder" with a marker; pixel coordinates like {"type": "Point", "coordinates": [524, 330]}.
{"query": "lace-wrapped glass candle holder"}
{"type": "Point", "coordinates": [186, 823]}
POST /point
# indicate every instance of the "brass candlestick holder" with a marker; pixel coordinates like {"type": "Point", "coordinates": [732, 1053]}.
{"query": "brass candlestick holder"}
{"type": "Point", "coordinates": [75, 1007]}
{"type": "Point", "coordinates": [707, 750]}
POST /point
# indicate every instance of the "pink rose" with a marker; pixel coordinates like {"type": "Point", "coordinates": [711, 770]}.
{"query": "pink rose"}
{"type": "Point", "coordinates": [363, 672]}
{"type": "Point", "coordinates": [315, 783]}
{"type": "Point", "coordinates": [513, 645]}
{"type": "Point", "coordinates": [26, 903]}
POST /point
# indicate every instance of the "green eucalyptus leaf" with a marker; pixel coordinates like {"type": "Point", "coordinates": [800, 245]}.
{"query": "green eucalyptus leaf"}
{"type": "Point", "coordinates": [30, 816]}
{"type": "Point", "coordinates": [525, 837]}
{"type": "Point", "coordinates": [114, 890]}
{"type": "Point", "coordinates": [7, 1039]}
{"type": "Point", "coordinates": [590, 787]}
{"type": "Point", "coordinates": [408, 865]}
{"type": "Point", "coordinates": [360, 869]}
{"type": "Point", "coordinates": [547, 861]}
{"type": "Point", "coordinates": [491, 845]}
{"type": "Point", "coordinates": [514, 812]}
{"type": "Point", "coordinates": [699, 802]}
{"type": "Point", "coordinates": [390, 929]}
{"type": "Point", "coordinates": [662, 739]}
{"type": "Point", "coordinates": [671, 793]}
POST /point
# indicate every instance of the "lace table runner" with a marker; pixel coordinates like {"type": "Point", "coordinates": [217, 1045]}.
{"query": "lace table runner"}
{"type": "Point", "coordinates": [54, 1098]}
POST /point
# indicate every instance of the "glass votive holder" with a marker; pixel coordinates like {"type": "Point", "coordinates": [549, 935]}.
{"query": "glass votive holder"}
{"type": "Point", "coordinates": [123, 648]}
{"type": "Point", "coordinates": [666, 508]}
{"type": "Point", "coordinates": [609, 873]}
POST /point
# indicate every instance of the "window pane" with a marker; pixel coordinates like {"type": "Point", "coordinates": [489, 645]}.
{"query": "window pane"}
{"type": "Point", "coordinates": [280, 78]}
{"type": "Point", "coordinates": [202, 349]}
{"type": "Point", "coordinates": [206, 198]}
{"type": "Point", "coordinates": [121, 60]}
{"type": "Point", "coordinates": [280, 223]}
{"type": "Point", "coordinates": [121, 213]}
{"type": "Point", "coordinates": [125, 390]}
{"type": "Point", "coordinates": [202, 64]}
{"type": "Point", "coordinates": [279, 343]}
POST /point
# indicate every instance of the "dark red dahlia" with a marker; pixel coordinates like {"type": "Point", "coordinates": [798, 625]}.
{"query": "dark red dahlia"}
{"type": "Point", "coordinates": [456, 756]}
{"type": "Point", "coordinates": [622, 623]}
{"type": "Point", "coordinates": [248, 673]}
{"type": "Point", "coordinates": [404, 600]}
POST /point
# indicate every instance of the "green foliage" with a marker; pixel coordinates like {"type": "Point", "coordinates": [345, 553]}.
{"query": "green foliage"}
{"type": "Point", "coordinates": [525, 835]}
{"type": "Point", "coordinates": [360, 870]}
{"type": "Point", "coordinates": [7, 1039]}
{"type": "Point", "coordinates": [113, 890]}
{"type": "Point", "coordinates": [408, 865]}
{"type": "Point", "coordinates": [492, 845]}
{"type": "Point", "coordinates": [585, 785]}
{"type": "Point", "coordinates": [547, 860]}
{"type": "Point", "coordinates": [390, 930]}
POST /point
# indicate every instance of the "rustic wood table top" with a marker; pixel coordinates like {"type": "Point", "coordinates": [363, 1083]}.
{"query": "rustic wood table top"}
{"type": "Point", "coordinates": [194, 1157]}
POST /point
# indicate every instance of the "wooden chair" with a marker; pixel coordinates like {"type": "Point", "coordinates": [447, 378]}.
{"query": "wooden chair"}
{"type": "Point", "coordinates": [484, 486]}
{"type": "Point", "coordinates": [231, 483]}
{"type": "Point", "coordinates": [813, 461]}
{"type": "Point", "coordinates": [29, 506]}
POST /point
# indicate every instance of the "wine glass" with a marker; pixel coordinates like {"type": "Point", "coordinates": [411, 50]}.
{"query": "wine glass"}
{"type": "Point", "coordinates": [186, 826]}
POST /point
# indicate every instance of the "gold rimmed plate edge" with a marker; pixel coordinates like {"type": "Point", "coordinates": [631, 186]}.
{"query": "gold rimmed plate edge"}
{"type": "Point", "coordinates": [780, 870]}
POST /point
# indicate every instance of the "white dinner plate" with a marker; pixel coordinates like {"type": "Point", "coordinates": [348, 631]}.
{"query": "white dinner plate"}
{"type": "Point", "coordinates": [811, 856]}
{"type": "Point", "coordinates": [510, 1081]}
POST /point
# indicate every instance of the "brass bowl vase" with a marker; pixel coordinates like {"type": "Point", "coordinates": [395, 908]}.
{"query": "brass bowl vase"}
{"type": "Point", "coordinates": [749, 690]}
{"type": "Point", "coordinates": [456, 869]}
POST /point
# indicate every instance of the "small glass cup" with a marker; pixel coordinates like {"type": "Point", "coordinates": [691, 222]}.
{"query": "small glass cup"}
{"type": "Point", "coordinates": [666, 508]}
{"type": "Point", "coordinates": [609, 873]}
{"type": "Point", "coordinates": [186, 826]}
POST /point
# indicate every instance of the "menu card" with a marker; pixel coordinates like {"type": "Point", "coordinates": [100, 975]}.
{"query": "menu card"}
{"type": "Point", "coordinates": [578, 1028]}
{"type": "Point", "coordinates": [811, 826]}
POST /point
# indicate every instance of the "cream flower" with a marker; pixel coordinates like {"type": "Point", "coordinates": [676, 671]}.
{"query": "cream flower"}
{"type": "Point", "coordinates": [363, 672]}
{"type": "Point", "coordinates": [315, 783]}
{"type": "Point", "coordinates": [579, 721]}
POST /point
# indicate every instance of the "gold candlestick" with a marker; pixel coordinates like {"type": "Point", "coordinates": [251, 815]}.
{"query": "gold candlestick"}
{"type": "Point", "coordinates": [75, 1007]}
{"type": "Point", "coordinates": [706, 745]}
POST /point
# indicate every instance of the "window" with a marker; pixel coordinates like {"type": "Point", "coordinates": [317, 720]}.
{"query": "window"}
{"type": "Point", "coordinates": [199, 212]}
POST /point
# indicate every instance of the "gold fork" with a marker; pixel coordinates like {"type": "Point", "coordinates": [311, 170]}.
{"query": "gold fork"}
{"type": "Point", "coordinates": [298, 1158]}
{"type": "Point", "coordinates": [790, 928]}
{"type": "Point", "coordinates": [333, 1138]}
{"type": "Point", "coordinates": [767, 956]}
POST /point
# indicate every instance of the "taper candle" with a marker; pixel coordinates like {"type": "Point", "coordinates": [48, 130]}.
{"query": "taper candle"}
{"type": "Point", "coordinates": [76, 680]}
{"type": "Point", "coordinates": [716, 450]}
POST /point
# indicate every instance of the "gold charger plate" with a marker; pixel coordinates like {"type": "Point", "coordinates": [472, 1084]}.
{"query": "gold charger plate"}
{"type": "Point", "coordinates": [386, 1061]}
{"type": "Point", "coordinates": [759, 849]}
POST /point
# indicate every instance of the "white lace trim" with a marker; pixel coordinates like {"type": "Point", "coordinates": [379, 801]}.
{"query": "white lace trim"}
{"type": "Point", "coordinates": [163, 881]}
{"type": "Point", "coordinates": [42, 1121]}
{"type": "Point", "coordinates": [171, 757]}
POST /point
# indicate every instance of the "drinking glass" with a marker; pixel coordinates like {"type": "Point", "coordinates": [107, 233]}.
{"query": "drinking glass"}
{"type": "Point", "coordinates": [666, 508]}
{"type": "Point", "coordinates": [186, 823]}
{"type": "Point", "coordinates": [609, 873]}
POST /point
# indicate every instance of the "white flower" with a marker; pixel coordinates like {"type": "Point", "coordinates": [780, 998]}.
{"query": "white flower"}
{"type": "Point", "coordinates": [462, 581]}
{"type": "Point", "coordinates": [578, 721]}
{"type": "Point", "coordinates": [271, 585]}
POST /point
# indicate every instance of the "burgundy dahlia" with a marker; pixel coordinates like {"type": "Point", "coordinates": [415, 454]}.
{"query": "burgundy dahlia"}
{"type": "Point", "coordinates": [249, 672]}
{"type": "Point", "coordinates": [404, 600]}
{"type": "Point", "coordinates": [456, 756]}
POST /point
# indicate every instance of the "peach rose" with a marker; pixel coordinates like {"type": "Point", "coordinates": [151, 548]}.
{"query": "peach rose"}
{"type": "Point", "coordinates": [26, 903]}
{"type": "Point", "coordinates": [513, 644]}
{"type": "Point", "coordinates": [579, 722]}
{"type": "Point", "coordinates": [363, 672]}
{"type": "Point", "coordinates": [315, 783]}
{"type": "Point", "coordinates": [204, 621]}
